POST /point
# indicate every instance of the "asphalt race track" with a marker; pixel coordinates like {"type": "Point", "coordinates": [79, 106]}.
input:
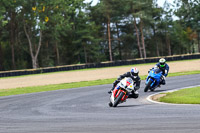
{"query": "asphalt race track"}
{"type": "Point", "coordinates": [86, 110]}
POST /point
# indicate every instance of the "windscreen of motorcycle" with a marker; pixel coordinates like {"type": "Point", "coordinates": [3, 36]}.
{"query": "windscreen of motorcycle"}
{"type": "Point", "coordinates": [157, 71]}
{"type": "Point", "coordinates": [128, 81]}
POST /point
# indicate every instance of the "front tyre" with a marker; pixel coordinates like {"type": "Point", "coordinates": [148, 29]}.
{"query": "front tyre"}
{"type": "Point", "coordinates": [118, 99]}
{"type": "Point", "coordinates": [148, 86]}
{"type": "Point", "coordinates": [110, 104]}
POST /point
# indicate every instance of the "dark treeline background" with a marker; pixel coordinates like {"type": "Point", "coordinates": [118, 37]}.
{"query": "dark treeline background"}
{"type": "Point", "coordinates": [46, 33]}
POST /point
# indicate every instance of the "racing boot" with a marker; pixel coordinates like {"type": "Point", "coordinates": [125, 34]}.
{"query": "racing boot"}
{"type": "Point", "coordinates": [110, 91]}
{"type": "Point", "coordinates": [114, 84]}
{"type": "Point", "coordinates": [162, 82]}
{"type": "Point", "coordinates": [134, 94]}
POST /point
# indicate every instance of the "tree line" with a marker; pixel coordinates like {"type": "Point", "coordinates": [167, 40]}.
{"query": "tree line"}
{"type": "Point", "coordinates": [35, 33]}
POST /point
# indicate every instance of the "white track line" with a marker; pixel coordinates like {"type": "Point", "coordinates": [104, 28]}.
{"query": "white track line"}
{"type": "Point", "coordinates": [150, 100]}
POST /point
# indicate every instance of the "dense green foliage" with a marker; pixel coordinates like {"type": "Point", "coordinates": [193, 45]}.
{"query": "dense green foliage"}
{"type": "Point", "coordinates": [35, 33]}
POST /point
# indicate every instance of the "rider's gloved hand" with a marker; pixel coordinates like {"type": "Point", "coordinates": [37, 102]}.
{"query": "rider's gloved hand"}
{"type": "Point", "coordinates": [149, 70]}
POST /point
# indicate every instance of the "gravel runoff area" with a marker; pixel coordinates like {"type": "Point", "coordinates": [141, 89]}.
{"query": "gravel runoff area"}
{"type": "Point", "coordinates": [87, 75]}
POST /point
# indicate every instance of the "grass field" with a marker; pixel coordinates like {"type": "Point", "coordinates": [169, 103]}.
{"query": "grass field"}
{"type": "Point", "coordinates": [184, 96]}
{"type": "Point", "coordinates": [24, 90]}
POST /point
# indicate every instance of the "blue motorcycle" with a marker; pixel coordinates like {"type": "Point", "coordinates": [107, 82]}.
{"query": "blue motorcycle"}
{"type": "Point", "coordinates": [153, 79]}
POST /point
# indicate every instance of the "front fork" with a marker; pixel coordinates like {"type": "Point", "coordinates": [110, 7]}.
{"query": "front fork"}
{"type": "Point", "coordinates": [117, 92]}
{"type": "Point", "coordinates": [152, 84]}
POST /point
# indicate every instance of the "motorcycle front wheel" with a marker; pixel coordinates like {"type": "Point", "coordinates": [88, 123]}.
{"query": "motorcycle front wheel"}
{"type": "Point", "coordinates": [148, 86]}
{"type": "Point", "coordinates": [118, 99]}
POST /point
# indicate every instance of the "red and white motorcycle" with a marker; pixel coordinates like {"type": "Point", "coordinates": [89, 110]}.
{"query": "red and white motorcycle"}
{"type": "Point", "coordinates": [121, 91]}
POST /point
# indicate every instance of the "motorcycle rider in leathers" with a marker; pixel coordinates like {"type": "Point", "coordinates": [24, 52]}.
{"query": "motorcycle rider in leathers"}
{"type": "Point", "coordinates": [136, 79]}
{"type": "Point", "coordinates": [163, 66]}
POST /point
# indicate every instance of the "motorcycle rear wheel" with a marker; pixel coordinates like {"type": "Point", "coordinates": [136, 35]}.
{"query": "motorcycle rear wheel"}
{"type": "Point", "coordinates": [118, 99]}
{"type": "Point", "coordinates": [148, 86]}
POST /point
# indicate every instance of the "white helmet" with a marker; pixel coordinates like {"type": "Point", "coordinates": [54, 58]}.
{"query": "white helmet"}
{"type": "Point", "coordinates": [134, 72]}
{"type": "Point", "coordinates": [162, 62]}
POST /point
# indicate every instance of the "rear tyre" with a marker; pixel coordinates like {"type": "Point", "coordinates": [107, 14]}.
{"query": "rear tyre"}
{"type": "Point", "coordinates": [118, 99]}
{"type": "Point", "coordinates": [148, 86]}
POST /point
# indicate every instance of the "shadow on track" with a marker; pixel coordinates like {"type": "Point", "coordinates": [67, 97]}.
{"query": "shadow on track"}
{"type": "Point", "coordinates": [122, 106]}
{"type": "Point", "coordinates": [157, 91]}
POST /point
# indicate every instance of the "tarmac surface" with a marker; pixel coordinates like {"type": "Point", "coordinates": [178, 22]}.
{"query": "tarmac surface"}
{"type": "Point", "coordinates": [86, 110]}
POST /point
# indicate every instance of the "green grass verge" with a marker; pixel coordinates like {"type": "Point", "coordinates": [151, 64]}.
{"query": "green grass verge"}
{"type": "Point", "coordinates": [24, 90]}
{"type": "Point", "coordinates": [184, 96]}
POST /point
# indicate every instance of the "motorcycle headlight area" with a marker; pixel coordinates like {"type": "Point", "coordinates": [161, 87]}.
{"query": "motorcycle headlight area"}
{"type": "Point", "coordinates": [122, 85]}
